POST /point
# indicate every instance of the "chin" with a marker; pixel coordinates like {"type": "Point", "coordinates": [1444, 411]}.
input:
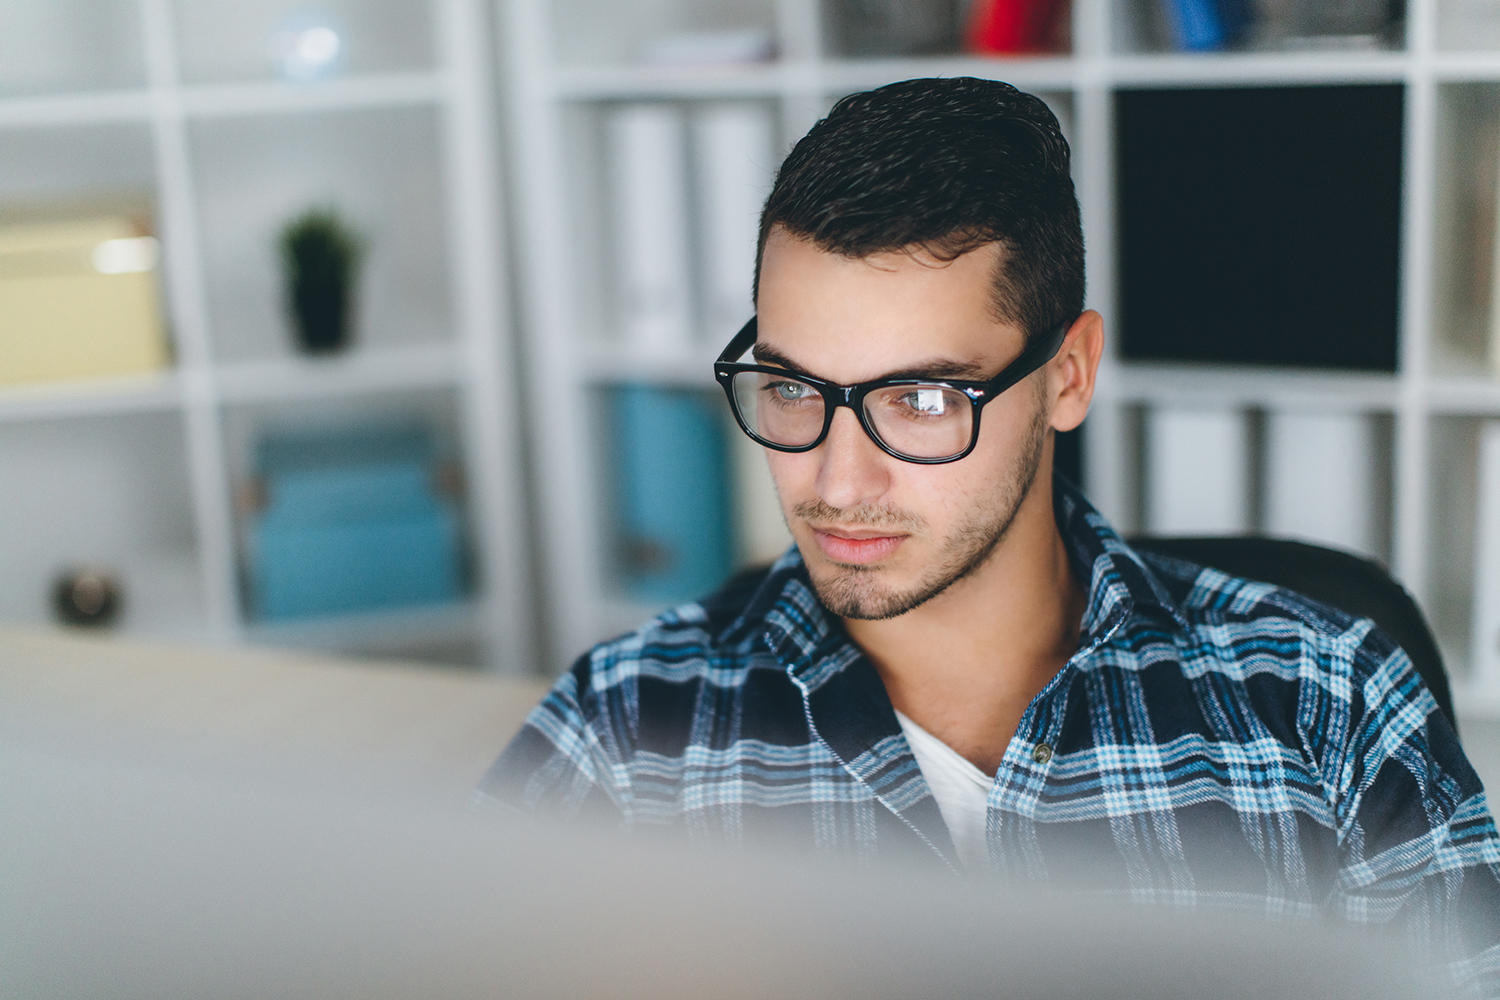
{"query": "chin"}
{"type": "Point", "coordinates": [869, 593]}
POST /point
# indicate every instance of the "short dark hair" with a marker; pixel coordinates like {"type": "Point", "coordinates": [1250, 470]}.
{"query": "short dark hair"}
{"type": "Point", "coordinates": [947, 165]}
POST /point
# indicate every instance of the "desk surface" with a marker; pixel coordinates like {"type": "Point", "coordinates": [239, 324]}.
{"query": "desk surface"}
{"type": "Point", "coordinates": [428, 730]}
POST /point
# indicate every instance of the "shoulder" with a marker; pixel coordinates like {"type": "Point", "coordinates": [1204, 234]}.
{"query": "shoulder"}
{"type": "Point", "coordinates": [686, 643]}
{"type": "Point", "coordinates": [1315, 675]}
{"type": "Point", "coordinates": [637, 693]}
{"type": "Point", "coordinates": [1261, 625]}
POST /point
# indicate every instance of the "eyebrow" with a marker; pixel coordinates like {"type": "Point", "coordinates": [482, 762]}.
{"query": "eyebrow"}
{"type": "Point", "coordinates": [937, 370]}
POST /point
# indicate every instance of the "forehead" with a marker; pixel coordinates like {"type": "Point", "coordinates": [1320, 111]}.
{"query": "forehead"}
{"type": "Point", "coordinates": [850, 319]}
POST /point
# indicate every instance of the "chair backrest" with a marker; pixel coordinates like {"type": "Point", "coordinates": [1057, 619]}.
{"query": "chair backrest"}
{"type": "Point", "coordinates": [1359, 586]}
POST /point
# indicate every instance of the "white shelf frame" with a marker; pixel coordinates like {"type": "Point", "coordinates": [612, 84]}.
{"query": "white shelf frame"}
{"type": "Point", "coordinates": [476, 362]}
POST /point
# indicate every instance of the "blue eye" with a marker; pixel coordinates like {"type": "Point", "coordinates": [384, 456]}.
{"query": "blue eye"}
{"type": "Point", "coordinates": [792, 391]}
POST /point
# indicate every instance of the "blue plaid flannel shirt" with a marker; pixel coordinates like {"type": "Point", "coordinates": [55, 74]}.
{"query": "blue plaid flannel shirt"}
{"type": "Point", "coordinates": [1212, 740]}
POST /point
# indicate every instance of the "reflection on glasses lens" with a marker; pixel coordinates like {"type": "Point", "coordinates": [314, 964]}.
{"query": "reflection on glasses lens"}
{"type": "Point", "coordinates": [924, 421]}
{"type": "Point", "coordinates": [918, 421]}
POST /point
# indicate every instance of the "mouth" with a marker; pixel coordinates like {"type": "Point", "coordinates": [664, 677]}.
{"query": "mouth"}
{"type": "Point", "coordinates": [856, 546]}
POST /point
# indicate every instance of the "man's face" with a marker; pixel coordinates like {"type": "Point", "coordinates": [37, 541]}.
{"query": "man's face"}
{"type": "Point", "coordinates": [881, 536]}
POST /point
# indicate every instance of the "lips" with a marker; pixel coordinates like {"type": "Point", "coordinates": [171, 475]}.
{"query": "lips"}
{"type": "Point", "coordinates": [855, 547]}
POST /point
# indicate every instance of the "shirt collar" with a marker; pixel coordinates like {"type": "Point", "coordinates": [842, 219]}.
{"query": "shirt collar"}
{"type": "Point", "coordinates": [845, 700]}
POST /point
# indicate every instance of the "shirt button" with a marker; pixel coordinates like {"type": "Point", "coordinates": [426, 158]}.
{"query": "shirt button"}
{"type": "Point", "coordinates": [1042, 753]}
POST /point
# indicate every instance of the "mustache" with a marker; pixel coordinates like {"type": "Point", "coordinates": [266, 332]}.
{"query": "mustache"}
{"type": "Point", "coordinates": [874, 515]}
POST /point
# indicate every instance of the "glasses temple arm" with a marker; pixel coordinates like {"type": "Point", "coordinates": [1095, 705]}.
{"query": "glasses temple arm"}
{"type": "Point", "coordinates": [741, 343]}
{"type": "Point", "coordinates": [1031, 359]}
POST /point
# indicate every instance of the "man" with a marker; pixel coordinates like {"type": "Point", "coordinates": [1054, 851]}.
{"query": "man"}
{"type": "Point", "coordinates": [960, 658]}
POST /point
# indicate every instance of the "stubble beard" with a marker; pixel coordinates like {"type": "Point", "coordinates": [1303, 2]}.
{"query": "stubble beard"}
{"type": "Point", "coordinates": [856, 592]}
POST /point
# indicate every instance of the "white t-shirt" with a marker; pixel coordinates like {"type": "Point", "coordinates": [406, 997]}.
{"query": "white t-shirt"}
{"type": "Point", "coordinates": [961, 790]}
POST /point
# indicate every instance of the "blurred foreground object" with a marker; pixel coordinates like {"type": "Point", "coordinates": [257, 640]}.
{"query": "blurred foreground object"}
{"type": "Point", "coordinates": [182, 822]}
{"type": "Point", "coordinates": [356, 519]}
{"type": "Point", "coordinates": [86, 597]}
{"type": "Point", "coordinates": [78, 299]}
{"type": "Point", "coordinates": [321, 256]}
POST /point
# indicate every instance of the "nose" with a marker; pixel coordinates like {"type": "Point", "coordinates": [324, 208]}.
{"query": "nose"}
{"type": "Point", "coordinates": [853, 470]}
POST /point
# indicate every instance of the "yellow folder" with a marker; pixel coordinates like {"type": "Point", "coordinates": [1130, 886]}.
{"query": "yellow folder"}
{"type": "Point", "coordinates": [79, 299]}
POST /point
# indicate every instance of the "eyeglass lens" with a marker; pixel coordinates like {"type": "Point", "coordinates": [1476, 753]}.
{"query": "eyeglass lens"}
{"type": "Point", "coordinates": [922, 421]}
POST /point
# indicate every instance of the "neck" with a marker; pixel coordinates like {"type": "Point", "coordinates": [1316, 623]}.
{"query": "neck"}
{"type": "Point", "coordinates": [965, 665]}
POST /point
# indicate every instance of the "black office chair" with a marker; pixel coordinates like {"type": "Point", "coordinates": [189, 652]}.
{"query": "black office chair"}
{"type": "Point", "coordinates": [1359, 586]}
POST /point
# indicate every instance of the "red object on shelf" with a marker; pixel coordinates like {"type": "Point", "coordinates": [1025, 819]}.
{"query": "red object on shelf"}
{"type": "Point", "coordinates": [1007, 27]}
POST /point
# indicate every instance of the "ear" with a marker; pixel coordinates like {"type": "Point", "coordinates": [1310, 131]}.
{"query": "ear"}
{"type": "Point", "coordinates": [1071, 374]}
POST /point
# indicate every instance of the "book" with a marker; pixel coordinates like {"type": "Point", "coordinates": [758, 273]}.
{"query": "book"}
{"type": "Point", "coordinates": [79, 299]}
{"type": "Point", "coordinates": [1321, 480]}
{"type": "Point", "coordinates": [1196, 25]}
{"type": "Point", "coordinates": [1006, 27]}
{"type": "Point", "coordinates": [671, 500]}
{"type": "Point", "coordinates": [652, 266]}
{"type": "Point", "coordinates": [1197, 471]}
{"type": "Point", "coordinates": [734, 151]}
{"type": "Point", "coordinates": [1484, 638]}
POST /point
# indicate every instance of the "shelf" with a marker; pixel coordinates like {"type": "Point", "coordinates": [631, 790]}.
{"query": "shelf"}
{"type": "Point", "coordinates": [1026, 72]}
{"type": "Point", "coordinates": [354, 374]}
{"type": "Point", "coordinates": [631, 82]}
{"type": "Point", "coordinates": [1464, 395]}
{"type": "Point", "coordinates": [1464, 66]}
{"type": "Point", "coordinates": [150, 393]}
{"type": "Point", "coordinates": [1044, 73]}
{"type": "Point", "coordinates": [75, 109]}
{"type": "Point", "coordinates": [385, 90]}
{"type": "Point", "coordinates": [393, 627]}
{"type": "Point", "coordinates": [1251, 68]}
{"type": "Point", "coordinates": [1137, 382]}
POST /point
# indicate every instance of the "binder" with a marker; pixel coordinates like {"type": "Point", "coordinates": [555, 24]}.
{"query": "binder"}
{"type": "Point", "coordinates": [1484, 639]}
{"type": "Point", "coordinates": [1197, 471]}
{"type": "Point", "coordinates": [734, 153]}
{"type": "Point", "coordinates": [671, 492]}
{"type": "Point", "coordinates": [648, 184]}
{"type": "Point", "coordinates": [1321, 480]}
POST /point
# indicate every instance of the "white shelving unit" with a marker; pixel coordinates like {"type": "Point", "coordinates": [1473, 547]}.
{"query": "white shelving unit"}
{"type": "Point", "coordinates": [567, 59]}
{"type": "Point", "coordinates": [405, 143]}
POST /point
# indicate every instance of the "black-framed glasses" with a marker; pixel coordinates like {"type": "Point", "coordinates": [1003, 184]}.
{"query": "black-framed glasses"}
{"type": "Point", "coordinates": [929, 421]}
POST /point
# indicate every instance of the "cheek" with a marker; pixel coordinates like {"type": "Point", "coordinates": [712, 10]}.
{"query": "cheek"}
{"type": "Point", "coordinates": [1005, 427]}
{"type": "Point", "coordinates": [795, 476]}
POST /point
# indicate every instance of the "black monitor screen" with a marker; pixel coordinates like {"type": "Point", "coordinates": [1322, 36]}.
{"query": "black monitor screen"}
{"type": "Point", "coordinates": [1260, 225]}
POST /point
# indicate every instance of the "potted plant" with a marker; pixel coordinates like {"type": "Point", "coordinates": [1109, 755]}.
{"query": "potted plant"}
{"type": "Point", "coordinates": [321, 256]}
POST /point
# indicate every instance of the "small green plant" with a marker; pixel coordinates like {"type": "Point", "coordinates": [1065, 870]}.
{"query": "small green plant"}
{"type": "Point", "coordinates": [321, 255]}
